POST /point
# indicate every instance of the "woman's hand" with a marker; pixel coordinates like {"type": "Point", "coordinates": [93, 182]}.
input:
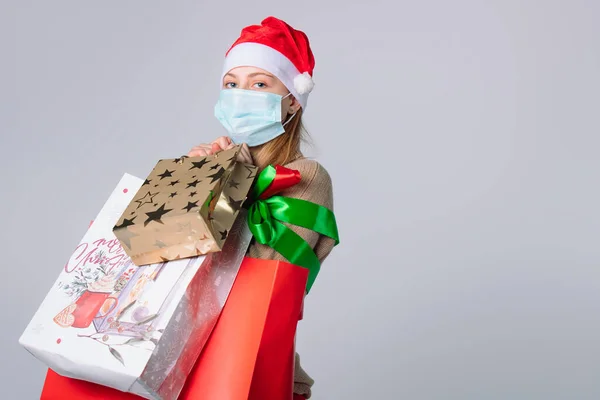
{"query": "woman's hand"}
{"type": "Point", "coordinates": [244, 155]}
{"type": "Point", "coordinates": [220, 144]}
{"type": "Point", "coordinates": [208, 149]}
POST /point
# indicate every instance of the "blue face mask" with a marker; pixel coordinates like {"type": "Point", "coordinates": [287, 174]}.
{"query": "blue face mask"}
{"type": "Point", "coordinates": [250, 116]}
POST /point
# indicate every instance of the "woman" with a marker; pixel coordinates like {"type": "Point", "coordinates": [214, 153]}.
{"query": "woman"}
{"type": "Point", "coordinates": [265, 85]}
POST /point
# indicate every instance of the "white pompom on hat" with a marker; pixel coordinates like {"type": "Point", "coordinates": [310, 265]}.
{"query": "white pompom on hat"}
{"type": "Point", "coordinates": [280, 50]}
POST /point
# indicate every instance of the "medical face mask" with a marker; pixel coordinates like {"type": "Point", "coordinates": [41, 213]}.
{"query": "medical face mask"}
{"type": "Point", "coordinates": [250, 116]}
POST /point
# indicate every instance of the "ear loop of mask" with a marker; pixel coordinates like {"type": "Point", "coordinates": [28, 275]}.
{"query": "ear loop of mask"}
{"type": "Point", "coordinates": [292, 117]}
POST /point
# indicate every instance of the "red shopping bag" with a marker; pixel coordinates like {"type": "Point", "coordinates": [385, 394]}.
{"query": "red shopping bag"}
{"type": "Point", "coordinates": [250, 354]}
{"type": "Point", "coordinates": [58, 387]}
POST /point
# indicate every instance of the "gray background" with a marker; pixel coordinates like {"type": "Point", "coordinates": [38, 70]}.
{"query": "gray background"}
{"type": "Point", "coordinates": [462, 138]}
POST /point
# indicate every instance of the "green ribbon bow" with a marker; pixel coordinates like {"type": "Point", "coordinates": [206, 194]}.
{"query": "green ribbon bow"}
{"type": "Point", "coordinates": [266, 218]}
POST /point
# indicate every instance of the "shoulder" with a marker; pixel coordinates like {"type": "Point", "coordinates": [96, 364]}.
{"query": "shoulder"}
{"type": "Point", "coordinates": [316, 182]}
{"type": "Point", "coordinates": [311, 171]}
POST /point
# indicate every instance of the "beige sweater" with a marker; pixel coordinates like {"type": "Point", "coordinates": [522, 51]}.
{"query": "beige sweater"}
{"type": "Point", "coordinates": [316, 187]}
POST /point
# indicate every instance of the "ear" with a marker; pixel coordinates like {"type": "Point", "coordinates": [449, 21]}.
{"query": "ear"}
{"type": "Point", "coordinates": [294, 105]}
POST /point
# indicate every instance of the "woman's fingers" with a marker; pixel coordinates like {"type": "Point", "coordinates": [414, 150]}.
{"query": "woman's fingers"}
{"type": "Point", "coordinates": [215, 148]}
{"type": "Point", "coordinates": [245, 154]}
{"type": "Point", "coordinates": [220, 144]}
{"type": "Point", "coordinates": [207, 149]}
{"type": "Point", "coordinates": [223, 142]}
{"type": "Point", "coordinates": [200, 151]}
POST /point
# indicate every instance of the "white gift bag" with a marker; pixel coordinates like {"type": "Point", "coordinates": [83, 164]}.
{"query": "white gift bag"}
{"type": "Point", "coordinates": [135, 329]}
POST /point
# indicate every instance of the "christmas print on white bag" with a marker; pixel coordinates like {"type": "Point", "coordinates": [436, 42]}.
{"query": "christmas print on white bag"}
{"type": "Point", "coordinates": [124, 304]}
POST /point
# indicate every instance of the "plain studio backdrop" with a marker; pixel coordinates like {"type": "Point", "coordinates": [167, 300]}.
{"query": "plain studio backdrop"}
{"type": "Point", "coordinates": [461, 137]}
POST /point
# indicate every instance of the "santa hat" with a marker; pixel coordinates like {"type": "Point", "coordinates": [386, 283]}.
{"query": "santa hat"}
{"type": "Point", "coordinates": [280, 50]}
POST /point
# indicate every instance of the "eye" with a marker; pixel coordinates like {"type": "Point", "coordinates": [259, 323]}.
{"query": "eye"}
{"type": "Point", "coordinates": [260, 85]}
{"type": "Point", "coordinates": [230, 85]}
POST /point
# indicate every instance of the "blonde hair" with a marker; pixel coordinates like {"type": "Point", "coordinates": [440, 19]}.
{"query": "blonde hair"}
{"type": "Point", "coordinates": [284, 148]}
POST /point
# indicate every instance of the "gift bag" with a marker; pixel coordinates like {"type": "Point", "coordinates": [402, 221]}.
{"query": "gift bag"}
{"type": "Point", "coordinates": [250, 353]}
{"type": "Point", "coordinates": [186, 207]}
{"type": "Point", "coordinates": [134, 329]}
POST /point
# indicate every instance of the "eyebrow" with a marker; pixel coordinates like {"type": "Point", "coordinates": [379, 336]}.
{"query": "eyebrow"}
{"type": "Point", "coordinates": [252, 75]}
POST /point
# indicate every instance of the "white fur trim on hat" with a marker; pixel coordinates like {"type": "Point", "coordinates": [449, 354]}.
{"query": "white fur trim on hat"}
{"type": "Point", "coordinates": [264, 57]}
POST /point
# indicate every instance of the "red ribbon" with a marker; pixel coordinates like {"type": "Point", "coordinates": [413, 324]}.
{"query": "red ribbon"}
{"type": "Point", "coordinates": [284, 178]}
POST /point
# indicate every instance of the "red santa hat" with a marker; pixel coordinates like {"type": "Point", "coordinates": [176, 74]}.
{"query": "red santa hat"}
{"type": "Point", "coordinates": [280, 50]}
